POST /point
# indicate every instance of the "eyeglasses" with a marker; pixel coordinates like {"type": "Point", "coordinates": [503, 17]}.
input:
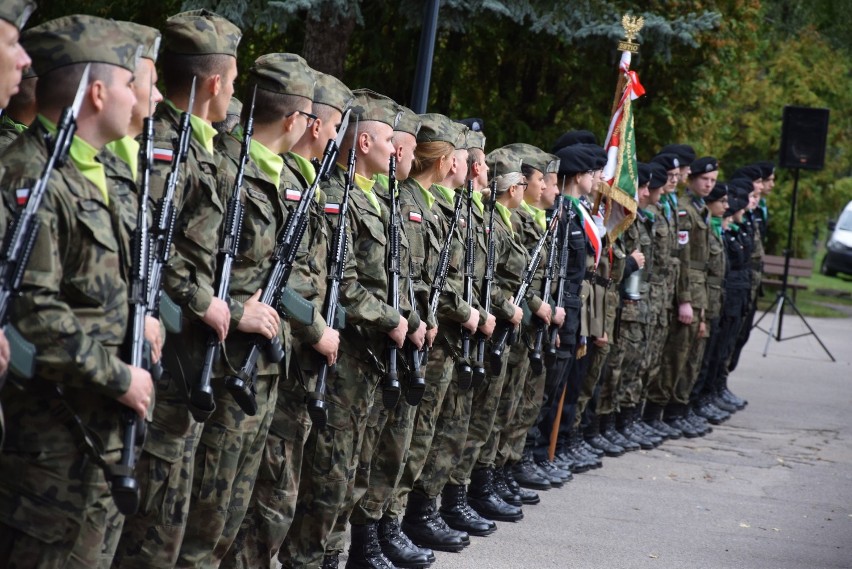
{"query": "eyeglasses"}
{"type": "Point", "coordinates": [522, 184]}
{"type": "Point", "coordinates": [310, 116]}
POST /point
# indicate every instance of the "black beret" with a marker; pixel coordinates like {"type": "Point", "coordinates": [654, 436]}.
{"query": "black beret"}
{"type": "Point", "coordinates": [659, 176]}
{"type": "Point", "coordinates": [474, 124]}
{"type": "Point", "coordinates": [719, 191]}
{"type": "Point", "coordinates": [573, 137]}
{"type": "Point", "coordinates": [766, 168]}
{"type": "Point", "coordinates": [735, 203]}
{"type": "Point", "coordinates": [669, 160]}
{"type": "Point", "coordinates": [574, 160]}
{"type": "Point", "coordinates": [595, 152]}
{"type": "Point", "coordinates": [643, 172]}
{"type": "Point", "coordinates": [684, 152]}
{"type": "Point", "coordinates": [751, 172]}
{"type": "Point", "coordinates": [703, 165]}
{"type": "Point", "coordinates": [740, 186]}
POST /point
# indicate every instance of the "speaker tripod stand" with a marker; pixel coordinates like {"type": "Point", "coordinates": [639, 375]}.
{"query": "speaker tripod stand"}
{"type": "Point", "coordinates": [783, 299]}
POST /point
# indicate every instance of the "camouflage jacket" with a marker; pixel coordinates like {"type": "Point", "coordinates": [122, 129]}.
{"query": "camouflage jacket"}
{"type": "Point", "coordinates": [715, 275]}
{"type": "Point", "coordinates": [638, 236]}
{"type": "Point", "coordinates": [693, 233]}
{"type": "Point", "coordinates": [665, 241]}
{"type": "Point", "coordinates": [9, 131]}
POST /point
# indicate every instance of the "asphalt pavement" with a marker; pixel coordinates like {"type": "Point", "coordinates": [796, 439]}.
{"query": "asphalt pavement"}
{"type": "Point", "coordinates": [770, 488]}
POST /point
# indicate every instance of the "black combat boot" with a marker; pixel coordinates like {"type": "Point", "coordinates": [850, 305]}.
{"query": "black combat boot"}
{"type": "Point", "coordinates": [702, 427]}
{"type": "Point", "coordinates": [331, 561]}
{"type": "Point", "coordinates": [595, 439]}
{"type": "Point", "coordinates": [624, 424]}
{"type": "Point", "coordinates": [556, 475]}
{"type": "Point", "coordinates": [503, 490]}
{"type": "Point", "coordinates": [364, 549]}
{"type": "Point", "coordinates": [485, 500]}
{"type": "Point", "coordinates": [709, 412]}
{"type": "Point", "coordinates": [613, 436]}
{"type": "Point", "coordinates": [652, 415]}
{"type": "Point", "coordinates": [645, 429]}
{"type": "Point", "coordinates": [528, 475]}
{"type": "Point", "coordinates": [720, 402]}
{"type": "Point", "coordinates": [427, 528]}
{"type": "Point", "coordinates": [527, 496]}
{"type": "Point", "coordinates": [583, 462]}
{"type": "Point", "coordinates": [460, 516]}
{"type": "Point", "coordinates": [730, 397]}
{"type": "Point", "coordinates": [675, 416]}
{"type": "Point", "coordinates": [400, 549]}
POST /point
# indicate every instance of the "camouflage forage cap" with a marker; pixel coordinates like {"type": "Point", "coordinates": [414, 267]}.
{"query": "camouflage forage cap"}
{"type": "Point", "coordinates": [371, 106]}
{"type": "Point", "coordinates": [17, 12]}
{"type": "Point", "coordinates": [283, 73]}
{"type": "Point", "coordinates": [409, 121]}
{"type": "Point", "coordinates": [439, 128]}
{"type": "Point", "coordinates": [331, 91]}
{"type": "Point", "coordinates": [81, 39]}
{"type": "Point", "coordinates": [503, 161]}
{"type": "Point", "coordinates": [530, 155]}
{"type": "Point", "coordinates": [148, 37]}
{"type": "Point", "coordinates": [235, 107]}
{"type": "Point", "coordinates": [475, 139]}
{"type": "Point", "coordinates": [201, 32]}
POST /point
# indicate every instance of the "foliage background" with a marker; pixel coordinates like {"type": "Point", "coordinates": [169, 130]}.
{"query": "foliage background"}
{"type": "Point", "coordinates": [717, 72]}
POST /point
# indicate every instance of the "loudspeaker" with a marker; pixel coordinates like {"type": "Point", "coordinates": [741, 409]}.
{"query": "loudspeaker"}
{"type": "Point", "coordinates": [803, 136]}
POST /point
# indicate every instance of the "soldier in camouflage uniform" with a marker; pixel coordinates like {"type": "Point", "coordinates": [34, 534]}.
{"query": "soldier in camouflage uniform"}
{"type": "Point", "coordinates": [232, 441]}
{"type": "Point", "coordinates": [273, 501]}
{"type": "Point", "coordinates": [13, 57]}
{"type": "Point", "coordinates": [199, 45]}
{"type": "Point", "coordinates": [21, 109]}
{"type": "Point", "coordinates": [55, 498]}
{"type": "Point", "coordinates": [331, 456]}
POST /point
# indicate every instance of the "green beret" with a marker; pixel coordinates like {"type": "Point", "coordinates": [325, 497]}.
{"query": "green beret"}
{"type": "Point", "coordinates": [201, 32]}
{"type": "Point", "coordinates": [332, 91]}
{"type": "Point", "coordinates": [409, 121]}
{"type": "Point", "coordinates": [503, 161]}
{"type": "Point", "coordinates": [531, 155]}
{"type": "Point", "coordinates": [81, 39]}
{"type": "Point", "coordinates": [475, 139]}
{"type": "Point", "coordinates": [436, 127]}
{"type": "Point", "coordinates": [148, 37]}
{"type": "Point", "coordinates": [17, 12]}
{"type": "Point", "coordinates": [283, 73]}
{"type": "Point", "coordinates": [371, 106]}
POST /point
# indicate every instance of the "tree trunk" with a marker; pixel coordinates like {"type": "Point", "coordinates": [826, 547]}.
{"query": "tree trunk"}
{"type": "Point", "coordinates": [327, 41]}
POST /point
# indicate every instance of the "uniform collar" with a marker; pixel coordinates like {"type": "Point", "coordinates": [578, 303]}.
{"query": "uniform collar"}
{"type": "Point", "coordinates": [83, 155]}
{"type": "Point", "coordinates": [305, 167]}
{"type": "Point", "coordinates": [267, 161]}
{"type": "Point", "coordinates": [127, 150]}
{"type": "Point", "coordinates": [202, 131]}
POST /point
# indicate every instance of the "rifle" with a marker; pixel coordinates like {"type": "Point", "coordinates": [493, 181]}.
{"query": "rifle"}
{"type": "Point", "coordinates": [391, 389]}
{"type": "Point", "coordinates": [336, 264]}
{"type": "Point", "coordinates": [536, 360]}
{"type": "Point", "coordinates": [201, 401]}
{"type": "Point", "coordinates": [241, 385]}
{"type": "Point", "coordinates": [464, 369]}
{"type": "Point", "coordinates": [499, 345]}
{"type": "Point", "coordinates": [164, 228]}
{"type": "Point", "coordinates": [417, 379]}
{"type": "Point", "coordinates": [439, 278]}
{"type": "Point", "coordinates": [21, 234]}
{"type": "Point", "coordinates": [487, 281]}
{"type": "Point", "coordinates": [562, 278]}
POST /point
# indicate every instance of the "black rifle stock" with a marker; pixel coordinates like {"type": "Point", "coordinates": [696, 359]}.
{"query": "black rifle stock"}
{"type": "Point", "coordinates": [317, 408]}
{"type": "Point", "coordinates": [536, 359]}
{"type": "Point", "coordinates": [391, 387]}
{"type": "Point", "coordinates": [464, 368]}
{"type": "Point", "coordinates": [417, 380]}
{"type": "Point", "coordinates": [202, 402]}
{"type": "Point", "coordinates": [562, 279]}
{"type": "Point", "coordinates": [487, 281]}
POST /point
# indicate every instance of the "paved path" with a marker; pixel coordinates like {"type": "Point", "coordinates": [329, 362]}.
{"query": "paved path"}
{"type": "Point", "coordinates": [772, 488]}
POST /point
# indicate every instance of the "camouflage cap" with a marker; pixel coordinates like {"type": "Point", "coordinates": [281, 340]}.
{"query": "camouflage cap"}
{"type": "Point", "coordinates": [148, 37]}
{"type": "Point", "coordinates": [17, 12]}
{"type": "Point", "coordinates": [332, 91]}
{"type": "Point", "coordinates": [436, 127]}
{"type": "Point", "coordinates": [503, 161]}
{"type": "Point", "coordinates": [81, 38]}
{"type": "Point", "coordinates": [409, 121]}
{"type": "Point", "coordinates": [235, 107]}
{"type": "Point", "coordinates": [552, 164]}
{"type": "Point", "coordinates": [201, 32]}
{"type": "Point", "coordinates": [371, 106]}
{"type": "Point", "coordinates": [475, 139]}
{"type": "Point", "coordinates": [283, 73]}
{"type": "Point", "coordinates": [530, 155]}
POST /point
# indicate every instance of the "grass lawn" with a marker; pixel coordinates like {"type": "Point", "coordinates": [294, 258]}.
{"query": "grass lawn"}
{"type": "Point", "coordinates": [829, 297]}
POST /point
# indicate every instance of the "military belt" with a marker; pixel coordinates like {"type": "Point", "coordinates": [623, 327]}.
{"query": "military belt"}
{"type": "Point", "coordinates": [598, 279]}
{"type": "Point", "coordinates": [698, 265]}
{"type": "Point", "coordinates": [715, 281]}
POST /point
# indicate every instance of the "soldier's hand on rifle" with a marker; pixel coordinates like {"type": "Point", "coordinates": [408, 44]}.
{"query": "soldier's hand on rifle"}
{"type": "Point", "coordinates": [398, 333]}
{"type": "Point", "coordinates": [602, 341]}
{"type": "Point", "coordinates": [138, 395]}
{"type": "Point", "coordinates": [259, 318]}
{"type": "Point", "coordinates": [328, 344]}
{"type": "Point", "coordinates": [418, 336]}
{"type": "Point", "coordinates": [4, 353]}
{"type": "Point", "coordinates": [544, 311]}
{"type": "Point", "coordinates": [559, 316]}
{"type": "Point", "coordinates": [639, 257]}
{"type": "Point", "coordinates": [472, 320]}
{"type": "Point", "coordinates": [431, 334]}
{"type": "Point", "coordinates": [517, 316]}
{"type": "Point", "coordinates": [218, 317]}
{"type": "Point", "coordinates": [490, 324]}
{"type": "Point", "coordinates": [684, 313]}
{"type": "Point", "coordinates": [152, 334]}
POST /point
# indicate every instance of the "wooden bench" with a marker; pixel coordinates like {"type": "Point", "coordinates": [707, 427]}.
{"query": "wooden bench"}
{"type": "Point", "coordinates": [773, 268]}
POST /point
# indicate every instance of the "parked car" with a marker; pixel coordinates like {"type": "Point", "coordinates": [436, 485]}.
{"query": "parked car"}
{"type": "Point", "coordinates": [838, 258]}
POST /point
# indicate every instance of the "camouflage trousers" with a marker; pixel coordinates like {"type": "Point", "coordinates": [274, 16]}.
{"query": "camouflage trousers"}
{"type": "Point", "coordinates": [55, 504]}
{"type": "Point", "coordinates": [516, 375]}
{"type": "Point", "coordinates": [685, 383]}
{"type": "Point", "coordinates": [439, 374]}
{"type": "Point", "coordinates": [480, 446]}
{"type": "Point", "coordinates": [658, 332]}
{"type": "Point", "coordinates": [680, 361]}
{"type": "Point", "coordinates": [530, 399]}
{"type": "Point", "coordinates": [273, 500]}
{"type": "Point", "coordinates": [152, 537]}
{"type": "Point", "coordinates": [598, 356]}
{"type": "Point", "coordinates": [383, 453]}
{"type": "Point", "coordinates": [330, 460]}
{"type": "Point", "coordinates": [634, 343]}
